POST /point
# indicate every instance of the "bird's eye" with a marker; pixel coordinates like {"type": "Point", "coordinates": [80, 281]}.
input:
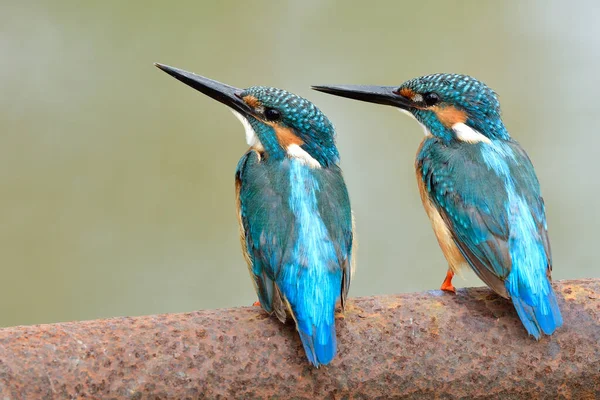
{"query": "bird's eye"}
{"type": "Point", "coordinates": [431, 98]}
{"type": "Point", "coordinates": [272, 114]}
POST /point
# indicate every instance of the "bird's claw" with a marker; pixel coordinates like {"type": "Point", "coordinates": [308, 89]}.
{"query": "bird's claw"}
{"type": "Point", "coordinates": [447, 284]}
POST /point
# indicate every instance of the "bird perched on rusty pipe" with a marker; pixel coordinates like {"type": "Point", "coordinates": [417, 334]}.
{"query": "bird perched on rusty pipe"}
{"type": "Point", "coordinates": [293, 208]}
{"type": "Point", "coordinates": [479, 189]}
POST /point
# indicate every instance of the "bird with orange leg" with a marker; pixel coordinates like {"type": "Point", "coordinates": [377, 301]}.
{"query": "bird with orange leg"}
{"type": "Point", "coordinates": [479, 189]}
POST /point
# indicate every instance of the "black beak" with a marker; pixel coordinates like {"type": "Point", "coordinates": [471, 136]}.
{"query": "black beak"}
{"type": "Point", "coordinates": [228, 95]}
{"type": "Point", "coordinates": [385, 95]}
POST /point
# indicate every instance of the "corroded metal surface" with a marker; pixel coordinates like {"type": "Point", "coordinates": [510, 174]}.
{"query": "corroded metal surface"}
{"type": "Point", "coordinates": [425, 345]}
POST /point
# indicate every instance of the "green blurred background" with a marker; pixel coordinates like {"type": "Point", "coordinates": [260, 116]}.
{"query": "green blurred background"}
{"type": "Point", "coordinates": [117, 180]}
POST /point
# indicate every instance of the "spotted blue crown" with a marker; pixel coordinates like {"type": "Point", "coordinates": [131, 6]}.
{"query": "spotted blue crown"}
{"type": "Point", "coordinates": [299, 114]}
{"type": "Point", "coordinates": [465, 93]}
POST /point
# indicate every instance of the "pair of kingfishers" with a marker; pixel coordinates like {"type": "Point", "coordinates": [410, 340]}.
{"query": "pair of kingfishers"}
{"type": "Point", "coordinates": [477, 185]}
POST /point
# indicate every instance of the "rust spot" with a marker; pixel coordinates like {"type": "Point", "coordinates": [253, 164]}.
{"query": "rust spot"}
{"type": "Point", "coordinates": [449, 115]}
{"type": "Point", "coordinates": [384, 351]}
{"type": "Point", "coordinates": [576, 292]}
{"type": "Point", "coordinates": [201, 333]}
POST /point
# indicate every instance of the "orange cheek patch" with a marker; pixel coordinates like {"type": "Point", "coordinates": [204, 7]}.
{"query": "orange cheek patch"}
{"type": "Point", "coordinates": [251, 101]}
{"type": "Point", "coordinates": [286, 137]}
{"type": "Point", "coordinates": [450, 115]}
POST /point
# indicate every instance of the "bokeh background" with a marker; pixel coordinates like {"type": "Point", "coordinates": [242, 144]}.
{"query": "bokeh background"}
{"type": "Point", "coordinates": [116, 180]}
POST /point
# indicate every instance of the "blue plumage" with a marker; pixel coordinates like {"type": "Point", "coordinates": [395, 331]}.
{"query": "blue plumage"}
{"type": "Point", "coordinates": [488, 195]}
{"type": "Point", "coordinates": [312, 279]}
{"type": "Point", "coordinates": [297, 264]}
{"type": "Point", "coordinates": [294, 212]}
{"type": "Point", "coordinates": [479, 189]}
{"type": "Point", "coordinates": [297, 222]}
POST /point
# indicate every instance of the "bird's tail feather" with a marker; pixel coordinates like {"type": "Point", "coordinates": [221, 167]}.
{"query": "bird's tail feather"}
{"type": "Point", "coordinates": [538, 314]}
{"type": "Point", "coordinates": [320, 345]}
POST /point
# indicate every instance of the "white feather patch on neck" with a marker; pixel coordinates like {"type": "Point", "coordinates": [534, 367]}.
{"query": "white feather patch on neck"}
{"type": "Point", "coordinates": [251, 137]}
{"type": "Point", "coordinates": [425, 130]}
{"type": "Point", "coordinates": [297, 152]}
{"type": "Point", "coordinates": [467, 134]}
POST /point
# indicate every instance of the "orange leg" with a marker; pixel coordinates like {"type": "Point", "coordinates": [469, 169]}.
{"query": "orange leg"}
{"type": "Point", "coordinates": [256, 304]}
{"type": "Point", "coordinates": [447, 285]}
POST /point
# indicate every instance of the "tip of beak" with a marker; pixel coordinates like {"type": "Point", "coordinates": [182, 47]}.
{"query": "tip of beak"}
{"type": "Point", "coordinates": [320, 88]}
{"type": "Point", "coordinates": [338, 89]}
{"type": "Point", "coordinates": [174, 72]}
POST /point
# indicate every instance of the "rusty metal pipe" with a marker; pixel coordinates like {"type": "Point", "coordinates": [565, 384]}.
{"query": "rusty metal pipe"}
{"type": "Point", "coordinates": [423, 345]}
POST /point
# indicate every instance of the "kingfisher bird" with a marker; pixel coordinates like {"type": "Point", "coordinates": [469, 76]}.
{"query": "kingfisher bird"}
{"type": "Point", "coordinates": [296, 224]}
{"type": "Point", "coordinates": [479, 189]}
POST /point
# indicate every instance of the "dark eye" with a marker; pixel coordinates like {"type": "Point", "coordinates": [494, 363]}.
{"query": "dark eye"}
{"type": "Point", "coordinates": [272, 114]}
{"type": "Point", "coordinates": [431, 98]}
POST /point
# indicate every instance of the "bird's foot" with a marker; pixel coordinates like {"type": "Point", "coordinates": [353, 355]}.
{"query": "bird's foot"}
{"type": "Point", "coordinates": [447, 284]}
{"type": "Point", "coordinates": [256, 304]}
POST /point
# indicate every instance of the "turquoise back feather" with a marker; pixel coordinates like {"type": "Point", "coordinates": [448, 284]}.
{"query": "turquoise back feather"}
{"type": "Point", "coordinates": [489, 196]}
{"type": "Point", "coordinates": [298, 233]}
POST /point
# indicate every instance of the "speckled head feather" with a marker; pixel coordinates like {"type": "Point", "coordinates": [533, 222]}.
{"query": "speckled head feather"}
{"type": "Point", "coordinates": [297, 121]}
{"type": "Point", "coordinates": [441, 100]}
{"type": "Point", "coordinates": [297, 112]}
{"type": "Point", "coordinates": [457, 89]}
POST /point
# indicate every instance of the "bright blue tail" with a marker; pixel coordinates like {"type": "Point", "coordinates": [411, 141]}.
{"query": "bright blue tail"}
{"type": "Point", "coordinates": [320, 346]}
{"type": "Point", "coordinates": [539, 313]}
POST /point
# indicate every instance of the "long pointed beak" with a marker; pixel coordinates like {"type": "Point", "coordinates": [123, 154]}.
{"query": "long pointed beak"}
{"type": "Point", "coordinates": [385, 95]}
{"type": "Point", "coordinates": [228, 95]}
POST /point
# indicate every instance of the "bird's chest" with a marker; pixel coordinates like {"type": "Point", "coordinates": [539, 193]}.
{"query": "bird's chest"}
{"type": "Point", "coordinates": [441, 229]}
{"type": "Point", "coordinates": [443, 233]}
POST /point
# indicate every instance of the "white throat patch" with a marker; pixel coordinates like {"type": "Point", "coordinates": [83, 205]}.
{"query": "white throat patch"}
{"type": "Point", "coordinates": [467, 134]}
{"type": "Point", "coordinates": [251, 137]}
{"type": "Point", "coordinates": [297, 152]}
{"type": "Point", "coordinates": [425, 130]}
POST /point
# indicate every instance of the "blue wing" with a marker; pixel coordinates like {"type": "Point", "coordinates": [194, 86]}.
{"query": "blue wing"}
{"type": "Point", "coordinates": [489, 196]}
{"type": "Point", "coordinates": [266, 226]}
{"type": "Point", "coordinates": [296, 229]}
{"type": "Point", "coordinates": [335, 212]}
